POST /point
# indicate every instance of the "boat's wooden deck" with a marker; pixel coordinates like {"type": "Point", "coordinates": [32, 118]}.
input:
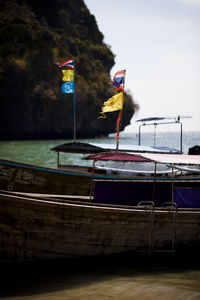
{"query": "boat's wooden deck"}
{"type": "Point", "coordinates": [87, 200]}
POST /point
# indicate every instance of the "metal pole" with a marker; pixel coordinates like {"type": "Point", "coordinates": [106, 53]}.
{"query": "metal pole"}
{"type": "Point", "coordinates": [92, 180]}
{"type": "Point", "coordinates": [118, 128]}
{"type": "Point", "coordinates": [58, 160]}
{"type": "Point", "coordinates": [154, 182]}
{"type": "Point", "coordinates": [154, 135]}
{"type": "Point", "coordinates": [74, 105]}
{"type": "Point", "coordinates": [181, 138]}
{"type": "Point", "coordinates": [139, 134]}
{"type": "Point", "coordinates": [172, 183]}
{"type": "Point", "coordinates": [119, 118]}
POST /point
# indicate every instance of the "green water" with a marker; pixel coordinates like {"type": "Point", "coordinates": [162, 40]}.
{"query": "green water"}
{"type": "Point", "coordinates": [38, 152]}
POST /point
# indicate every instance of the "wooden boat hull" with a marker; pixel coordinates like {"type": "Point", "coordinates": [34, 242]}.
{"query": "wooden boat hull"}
{"type": "Point", "coordinates": [29, 178]}
{"type": "Point", "coordinates": [33, 229]}
{"type": "Point", "coordinates": [76, 180]}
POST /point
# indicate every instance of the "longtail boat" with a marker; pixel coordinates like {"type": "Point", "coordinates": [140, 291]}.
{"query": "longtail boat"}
{"type": "Point", "coordinates": [76, 180]}
{"type": "Point", "coordinates": [126, 202]}
{"type": "Point", "coordinates": [22, 177]}
{"type": "Point", "coordinates": [35, 226]}
{"type": "Point", "coordinates": [65, 179]}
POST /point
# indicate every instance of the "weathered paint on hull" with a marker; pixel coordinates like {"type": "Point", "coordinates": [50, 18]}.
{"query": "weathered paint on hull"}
{"type": "Point", "coordinates": [29, 178]}
{"type": "Point", "coordinates": [32, 229]}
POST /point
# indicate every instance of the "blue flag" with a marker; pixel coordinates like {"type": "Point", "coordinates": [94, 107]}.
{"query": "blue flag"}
{"type": "Point", "coordinates": [68, 87]}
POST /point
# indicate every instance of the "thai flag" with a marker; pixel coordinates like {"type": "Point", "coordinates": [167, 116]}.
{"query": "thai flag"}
{"type": "Point", "coordinates": [118, 80]}
{"type": "Point", "coordinates": [67, 64]}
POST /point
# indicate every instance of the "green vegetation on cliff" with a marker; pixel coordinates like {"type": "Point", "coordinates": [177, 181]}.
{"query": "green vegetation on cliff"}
{"type": "Point", "coordinates": [35, 36]}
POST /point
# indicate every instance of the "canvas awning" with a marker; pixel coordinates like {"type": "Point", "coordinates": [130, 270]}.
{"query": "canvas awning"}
{"type": "Point", "coordinates": [135, 148]}
{"type": "Point", "coordinates": [118, 157]}
{"type": "Point", "coordinates": [153, 119]}
{"type": "Point", "coordinates": [76, 147]}
{"type": "Point", "coordinates": [176, 159]}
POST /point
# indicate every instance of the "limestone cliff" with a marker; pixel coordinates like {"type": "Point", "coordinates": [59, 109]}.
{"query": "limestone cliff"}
{"type": "Point", "coordinates": [35, 36]}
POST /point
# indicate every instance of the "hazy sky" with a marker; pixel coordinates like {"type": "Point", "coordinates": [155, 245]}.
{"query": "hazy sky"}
{"type": "Point", "coordinates": [158, 43]}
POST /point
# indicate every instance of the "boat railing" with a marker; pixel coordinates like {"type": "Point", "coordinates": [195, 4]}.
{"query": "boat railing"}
{"type": "Point", "coordinates": [147, 204]}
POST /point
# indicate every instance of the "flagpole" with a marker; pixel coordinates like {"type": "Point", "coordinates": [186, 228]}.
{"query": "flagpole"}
{"type": "Point", "coordinates": [74, 105]}
{"type": "Point", "coordinates": [117, 129]}
{"type": "Point", "coordinates": [118, 124]}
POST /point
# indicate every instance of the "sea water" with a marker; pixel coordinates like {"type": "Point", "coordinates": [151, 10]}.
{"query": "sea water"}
{"type": "Point", "coordinates": [95, 278]}
{"type": "Point", "coordinates": [38, 152]}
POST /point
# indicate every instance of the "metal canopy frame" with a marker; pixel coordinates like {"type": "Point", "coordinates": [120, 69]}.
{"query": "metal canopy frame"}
{"type": "Point", "coordinates": [155, 121]}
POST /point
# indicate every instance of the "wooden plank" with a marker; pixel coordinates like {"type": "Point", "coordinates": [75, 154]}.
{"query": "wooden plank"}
{"type": "Point", "coordinates": [39, 229]}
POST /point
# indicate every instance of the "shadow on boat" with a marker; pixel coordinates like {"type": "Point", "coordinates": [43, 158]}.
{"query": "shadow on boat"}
{"type": "Point", "coordinates": [37, 278]}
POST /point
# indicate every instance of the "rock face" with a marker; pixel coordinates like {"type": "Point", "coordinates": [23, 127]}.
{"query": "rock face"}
{"type": "Point", "coordinates": [35, 36]}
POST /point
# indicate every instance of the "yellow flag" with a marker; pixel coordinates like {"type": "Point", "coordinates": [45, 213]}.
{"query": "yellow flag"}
{"type": "Point", "coordinates": [114, 103]}
{"type": "Point", "coordinates": [68, 75]}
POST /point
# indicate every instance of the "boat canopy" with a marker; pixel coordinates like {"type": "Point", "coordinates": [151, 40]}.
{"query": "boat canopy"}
{"type": "Point", "coordinates": [77, 147]}
{"type": "Point", "coordinates": [135, 148]}
{"type": "Point", "coordinates": [118, 157]}
{"type": "Point", "coordinates": [155, 121]}
{"type": "Point", "coordinates": [178, 159]}
{"type": "Point", "coordinates": [152, 119]}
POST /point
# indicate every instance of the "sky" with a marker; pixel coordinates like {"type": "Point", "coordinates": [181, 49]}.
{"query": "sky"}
{"type": "Point", "coordinates": [158, 43]}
